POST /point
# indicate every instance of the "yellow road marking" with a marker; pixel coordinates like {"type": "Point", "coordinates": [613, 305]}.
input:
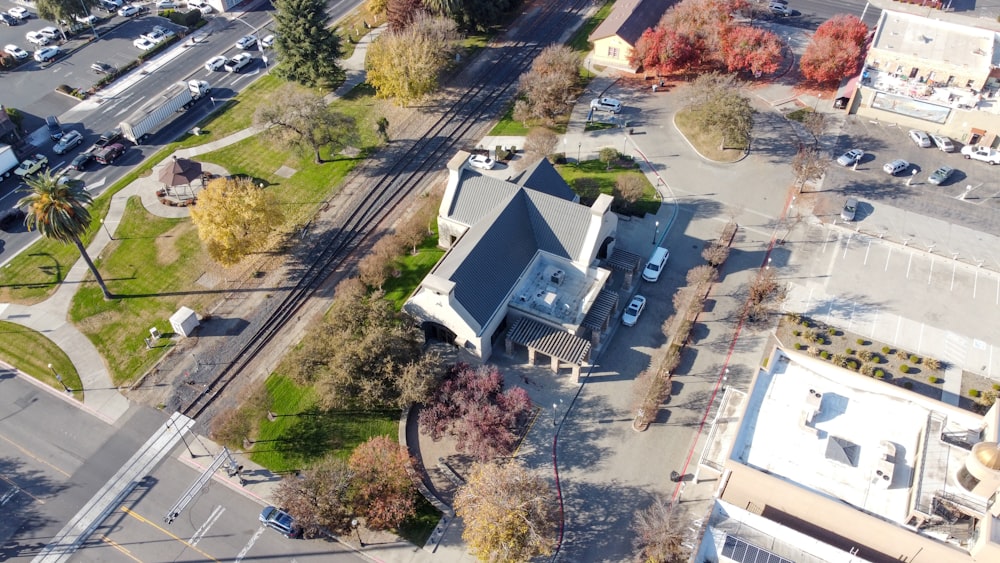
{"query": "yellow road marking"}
{"type": "Point", "coordinates": [120, 548]}
{"type": "Point", "coordinates": [135, 515]}
{"type": "Point", "coordinates": [28, 453]}
{"type": "Point", "coordinates": [20, 489]}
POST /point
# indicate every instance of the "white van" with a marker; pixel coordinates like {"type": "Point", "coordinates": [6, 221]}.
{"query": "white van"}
{"type": "Point", "coordinates": [657, 263]}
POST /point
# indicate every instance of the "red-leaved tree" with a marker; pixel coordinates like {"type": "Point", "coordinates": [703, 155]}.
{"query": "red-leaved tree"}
{"type": "Point", "coordinates": [663, 51]}
{"type": "Point", "coordinates": [752, 49]}
{"type": "Point", "coordinates": [471, 405]}
{"type": "Point", "coordinates": [703, 23]}
{"type": "Point", "coordinates": [381, 488]}
{"type": "Point", "coordinates": [835, 50]}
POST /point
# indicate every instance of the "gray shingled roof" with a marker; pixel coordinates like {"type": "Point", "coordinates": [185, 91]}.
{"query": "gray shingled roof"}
{"type": "Point", "coordinates": [629, 18]}
{"type": "Point", "coordinates": [544, 178]}
{"type": "Point", "coordinates": [504, 236]}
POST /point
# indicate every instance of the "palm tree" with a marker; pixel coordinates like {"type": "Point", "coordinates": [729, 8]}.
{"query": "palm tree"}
{"type": "Point", "coordinates": [59, 211]}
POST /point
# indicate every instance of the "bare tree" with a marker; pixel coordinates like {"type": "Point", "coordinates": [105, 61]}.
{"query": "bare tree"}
{"type": "Point", "coordinates": [546, 86]}
{"type": "Point", "coordinates": [298, 118]}
{"type": "Point", "coordinates": [660, 534]}
{"type": "Point", "coordinates": [808, 165]}
{"type": "Point", "coordinates": [539, 143]}
{"type": "Point", "coordinates": [629, 187]}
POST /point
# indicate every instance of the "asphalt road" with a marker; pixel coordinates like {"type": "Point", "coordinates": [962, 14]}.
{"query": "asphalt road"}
{"type": "Point", "coordinates": [53, 458]}
{"type": "Point", "coordinates": [809, 14]}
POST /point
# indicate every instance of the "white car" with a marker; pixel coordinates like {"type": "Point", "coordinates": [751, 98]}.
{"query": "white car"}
{"type": "Point", "coordinates": [267, 42]}
{"type": "Point", "coordinates": [166, 32]}
{"type": "Point", "coordinates": [246, 42]}
{"type": "Point", "coordinates": [851, 157]}
{"type": "Point", "coordinates": [16, 52]}
{"type": "Point", "coordinates": [51, 33]}
{"type": "Point", "coordinates": [482, 162]}
{"type": "Point", "coordinates": [19, 13]}
{"type": "Point", "coordinates": [129, 10]}
{"type": "Point", "coordinates": [780, 9]}
{"type": "Point", "coordinates": [634, 309]}
{"type": "Point", "coordinates": [606, 104]}
{"type": "Point", "coordinates": [165, 4]}
{"type": "Point", "coordinates": [236, 63]}
{"type": "Point", "coordinates": [215, 63]}
{"type": "Point", "coordinates": [984, 154]}
{"type": "Point", "coordinates": [895, 167]}
{"type": "Point", "coordinates": [201, 6]}
{"type": "Point", "coordinates": [88, 19]}
{"type": "Point", "coordinates": [46, 54]}
{"type": "Point", "coordinates": [154, 37]}
{"type": "Point", "coordinates": [69, 140]}
{"type": "Point", "coordinates": [919, 138]}
{"type": "Point", "coordinates": [31, 165]}
{"type": "Point", "coordinates": [36, 38]}
{"type": "Point", "coordinates": [144, 44]}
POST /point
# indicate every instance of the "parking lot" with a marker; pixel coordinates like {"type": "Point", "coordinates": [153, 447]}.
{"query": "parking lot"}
{"type": "Point", "coordinates": [970, 198]}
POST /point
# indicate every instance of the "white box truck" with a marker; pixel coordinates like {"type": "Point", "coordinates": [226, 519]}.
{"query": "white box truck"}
{"type": "Point", "coordinates": [151, 115]}
{"type": "Point", "coordinates": [8, 161]}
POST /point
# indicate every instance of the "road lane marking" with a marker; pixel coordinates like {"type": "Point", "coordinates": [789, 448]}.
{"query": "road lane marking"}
{"type": "Point", "coordinates": [868, 251]}
{"type": "Point", "coordinates": [909, 263]}
{"type": "Point", "coordinates": [847, 244]}
{"type": "Point", "coordinates": [28, 453]}
{"type": "Point", "coordinates": [120, 548]}
{"type": "Point", "coordinates": [887, 257]}
{"type": "Point", "coordinates": [144, 520]}
{"type": "Point", "coordinates": [246, 549]}
{"type": "Point", "coordinates": [931, 274]}
{"type": "Point", "coordinates": [19, 489]}
{"type": "Point", "coordinates": [203, 529]}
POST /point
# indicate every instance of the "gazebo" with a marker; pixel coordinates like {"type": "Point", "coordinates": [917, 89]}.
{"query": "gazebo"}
{"type": "Point", "coordinates": [180, 172]}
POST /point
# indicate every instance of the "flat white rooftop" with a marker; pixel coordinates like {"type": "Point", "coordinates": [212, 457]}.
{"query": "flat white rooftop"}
{"type": "Point", "coordinates": [843, 435]}
{"type": "Point", "coordinates": [935, 41]}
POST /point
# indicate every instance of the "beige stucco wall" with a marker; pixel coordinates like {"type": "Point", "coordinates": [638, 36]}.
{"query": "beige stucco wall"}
{"type": "Point", "coordinates": [958, 126]}
{"type": "Point", "coordinates": [604, 50]}
{"type": "Point", "coordinates": [747, 486]}
{"type": "Point", "coordinates": [891, 61]}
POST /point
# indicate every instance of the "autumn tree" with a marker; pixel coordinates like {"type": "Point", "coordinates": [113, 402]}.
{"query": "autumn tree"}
{"type": "Point", "coordinates": [363, 354]}
{"type": "Point", "coordinates": [629, 187]}
{"type": "Point", "coordinates": [400, 14]}
{"type": "Point", "coordinates": [764, 296]}
{"type": "Point", "coordinates": [480, 15]}
{"type": "Point", "coordinates": [608, 155]}
{"type": "Point", "coordinates": [718, 105]}
{"type": "Point", "coordinates": [382, 490]}
{"type": "Point", "coordinates": [509, 513]}
{"type": "Point", "coordinates": [545, 89]}
{"type": "Point", "coordinates": [752, 49]}
{"type": "Point", "coordinates": [471, 405]}
{"type": "Point", "coordinates": [236, 218]}
{"type": "Point", "coordinates": [407, 64]}
{"type": "Point", "coordinates": [704, 24]}
{"type": "Point", "coordinates": [378, 264]}
{"type": "Point", "coordinates": [309, 49]}
{"type": "Point", "coordinates": [298, 118]}
{"type": "Point", "coordinates": [539, 143]}
{"type": "Point", "coordinates": [660, 534]}
{"type": "Point", "coordinates": [664, 51]}
{"type": "Point", "coordinates": [834, 52]}
{"type": "Point", "coordinates": [318, 497]}
{"type": "Point", "coordinates": [808, 165]}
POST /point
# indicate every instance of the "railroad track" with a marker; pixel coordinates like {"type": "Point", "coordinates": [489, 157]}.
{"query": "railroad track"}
{"type": "Point", "coordinates": [492, 84]}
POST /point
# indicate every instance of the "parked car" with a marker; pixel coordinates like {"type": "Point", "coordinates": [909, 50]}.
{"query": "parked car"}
{"type": "Point", "coordinates": [166, 32]}
{"type": "Point", "coordinates": [606, 104]}
{"type": "Point", "coordinates": [128, 11]}
{"type": "Point", "coordinates": [109, 154]}
{"type": "Point", "coordinates": [107, 138]}
{"type": "Point", "coordinates": [921, 139]}
{"type": "Point", "coordinates": [102, 68]}
{"type": "Point", "coordinates": [154, 37]}
{"type": "Point", "coordinates": [165, 5]}
{"type": "Point", "coordinates": [236, 63]}
{"type": "Point", "coordinates": [280, 521]}
{"type": "Point", "coordinates": [201, 6]}
{"type": "Point", "coordinates": [941, 175]}
{"type": "Point", "coordinates": [656, 264]}
{"type": "Point", "coordinates": [215, 63]}
{"type": "Point", "coordinates": [46, 54]}
{"type": "Point", "coordinates": [11, 217]}
{"type": "Point", "coordinates": [49, 32]}
{"type": "Point", "coordinates": [89, 19]}
{"type": "Point", "coordinates": [943, 143]}
{"type": "Point", "coordinates": [143, 44]}
{"type": "Point", "coordinates": [850, 209]}
{"type": "Point", "coordinates": [36, 38]}
{"type": "Point", "coordinates": [851, 157]}
{"type": "Point", "coordinates": [31, 165]}
{"type": "Point", "coordinates": [895, 167]}
{"type": "Point", "coordinates": [19, 13]}
{"type": "Point", "coordinates": [984, 154]}
{"type": "Point", "coordinates": [482, 162]}
{"type": "Point", "coordinates": [81, 160]}
{"type": "Point", "coordinates": [68, 141]}
{"type": "Point", "coordinates": [54, 127]}
{"type": "Point", "coordinates": [634, 309]}
{"type": "Point", "coordinates": [8, 19]}
{"type": "Point", "coordinates": [246, 42]}
{"type": "Point", "coordinates": [16, 52]}
{"type": "Point", "coordinates": [267, 42]}
{"type": "Point", "coordinates": [779, 9]}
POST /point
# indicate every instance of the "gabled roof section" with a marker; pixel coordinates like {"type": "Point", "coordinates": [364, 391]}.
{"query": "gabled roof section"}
{"type": "Point", "coordinates": [543, 177]}
{"type": "Point", "coordinates": [478, 195]}
{"type": "Point", "coordinates": [629, 18]}
{"type": "Point", "coordinates": [559, 226]}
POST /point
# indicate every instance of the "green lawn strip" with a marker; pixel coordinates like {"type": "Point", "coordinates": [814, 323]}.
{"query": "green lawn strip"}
{"type": "Point", "coordinates": [706, 142]}
{"type": "Point", "coordinates": [417, 530]}
{"type": "Point", "coordinates": [579, 41]}
{"type": "Point", "coordinates": [153, 265]}
{"type": "Point", "coordinates": [32, 353]}
{"type": "Point", "coordinates": [412, 268]}
{"type": "Point", "coordinates": [649, 203]}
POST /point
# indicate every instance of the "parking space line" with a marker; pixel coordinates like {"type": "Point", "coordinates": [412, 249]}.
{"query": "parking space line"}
{"type": "Point", "coordinates": [868, 251]}
{"type": "Point", "coordinates": [975, 283]}
{"type": "Point", "coordinates": [847, 244]}
{"type": "Point", "coordinates": [931, 274]}
{"type": "Point", "coordinates": [909, 263]}
{"type": "Point", "coordinates": [874, 322]}
{"type": "Point", "coordinates": [246, 549]}
{"type": "Point", "coordinates": [850, 320]}
{"type": "Point", "coordinates": [120, 548]}
{"type": "Point", "coordinates": [920, 339]}
{"type": "Point", "coordinates": [887, 257]}
{"type": "Point", "coordinates": [899, 322]}
{"type": "Point", "coordinates": [144, 520]}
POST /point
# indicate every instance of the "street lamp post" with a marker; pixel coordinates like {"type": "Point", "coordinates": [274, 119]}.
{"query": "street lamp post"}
{"type": "Point", "coordinates": [579, 153]}
{"type": "Point", "coordinates": [555, 411]}
{"type": "Point", "coordinates": [656, 232]}
{"type": "Point", "coordinates": [355, 525]}
{"type": "Point", "coordinates": [110, 236]}
{"type": "Point", "coordinates": [59, 379]}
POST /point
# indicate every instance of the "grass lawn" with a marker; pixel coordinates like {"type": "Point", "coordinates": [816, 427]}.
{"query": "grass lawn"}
{"type": "Point", "coordinates": [579, 40]}
{"type": "Point", "coordinates": [650, 201]}
{"type": "Point", "coordinates": [302, 432]}
{"type": "Point", "coordinates": [707, 142]}
{"type": "Point", "coordinates": [32, 353]}
{"type": "Point", "coordinates": [153, 264]}
{"type": "Point", "coordinates": [413, 268]}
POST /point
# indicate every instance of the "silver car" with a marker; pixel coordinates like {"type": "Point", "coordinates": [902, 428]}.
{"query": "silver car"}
{"type": "Point", "coordinates": [851, 157]}
{"type": "Point", "coordinates": [943, 143]}
{"type": "Point", "coordinates": [921, 139]}
{"type": "Point", "coordinates": [895, 167]}
{"type": "Point", "coordinates": [850, 209]}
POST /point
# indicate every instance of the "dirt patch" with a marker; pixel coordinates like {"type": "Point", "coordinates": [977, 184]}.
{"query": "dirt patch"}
{"type": "Point", "coordinates": [166, 244]}
{"type": "Point", "coordinates": [985, 388]}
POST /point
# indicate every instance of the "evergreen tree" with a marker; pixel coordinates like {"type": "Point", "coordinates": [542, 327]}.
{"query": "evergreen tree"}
{"type": "Point", "coordinates": [309, 49]}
